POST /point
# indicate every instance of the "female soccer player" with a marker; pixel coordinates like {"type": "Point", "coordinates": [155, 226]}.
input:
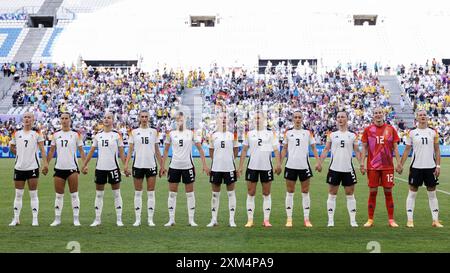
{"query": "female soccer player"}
{"type": "Point", "coordinates": [296, 145]}
{"type": "Point", "coordinates": [144, 145]}
{"type": "Point", "coordinates": [181, 167]}
{"type": "Point", "coordinates": [425, 166]}
{"type": "Point", "coordinates": [342, 143]}
{"type": "Point", "coordinates": [261, 143]}
{"type": "Point", "coordinates": [26, 144]}
{"type": "Point", "coordinates": [223, 149]}
{"type": "Point", "coordinates": [66, 142]}
{"type": "Point", "coordinates": [110, 147]}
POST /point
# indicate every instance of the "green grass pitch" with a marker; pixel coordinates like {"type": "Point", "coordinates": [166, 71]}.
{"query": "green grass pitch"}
{"type": "Point", "coordinates": [181, 238]}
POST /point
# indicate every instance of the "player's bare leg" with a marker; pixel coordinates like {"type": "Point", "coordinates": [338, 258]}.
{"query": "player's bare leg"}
{"type": "Point", "coordinates": [151, 182]}
{"type": "Point", "coordinates": [172, 203]}
{"type": "Point", "coordinates": [289, 203]}
{"type": "Point", "coordinates": [214, 204]}
{"type": "Point", "coordinates": [351, 204]}
{"type": "Point", "coordinates": [251, 191]}
{"type": "Point", "coordinates": [267, 203]}
{"type": "Point", "coordinates": [231, 203]}
{"type": "Point", "coordinates": [306, 202]}
{"type": "Point", "coordinates": [190, 203]}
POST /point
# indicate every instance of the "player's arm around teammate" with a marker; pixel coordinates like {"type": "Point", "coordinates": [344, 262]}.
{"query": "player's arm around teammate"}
{"type": "Point", "coordinates": [425, 166]}
{"type": "Point", "coordinates": [110, 146]}
{"type": "Point", "coordinates": [26, 144]}
{"type": "Point", "coordinates": [261, 143]}
{"type": "Point", "coordinates": [223, 149]}
{"type": "Point", "coordinates": [143, 144]}
{"type": "Point", "coordinates": [66, 142]}
{"type": "Point", "coordinates": [296, 145]}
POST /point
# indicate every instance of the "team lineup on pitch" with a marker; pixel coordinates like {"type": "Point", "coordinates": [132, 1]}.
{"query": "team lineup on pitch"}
{"type": "Point", "coordinates": [379, 145]}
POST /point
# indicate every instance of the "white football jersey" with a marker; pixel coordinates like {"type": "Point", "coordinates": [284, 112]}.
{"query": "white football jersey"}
{"type": "Point", "coordinates": [108, 144]}
{"type": "Point", "coordinates": [27, 155]}
{"type": "Point", "coordinates": [422, 141]}
{"type": "Point", "coordinates": [144, 147]}
{"type": "Point", "coordinates": [66, 149]}
{"type": "Point", "coordinates": [181, 148]}
{"type": "Point", "coordinates": [223, 144]}
{"type": "Point", "coordinates": [298, 142]}
{"type": "Point", "coordinates": [261, 145]}
{"type": "Point", "coordinates": [342, 150]}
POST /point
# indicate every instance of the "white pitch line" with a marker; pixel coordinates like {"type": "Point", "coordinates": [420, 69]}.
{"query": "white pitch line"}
{"type": "Point", "coordinates": [402, 179]}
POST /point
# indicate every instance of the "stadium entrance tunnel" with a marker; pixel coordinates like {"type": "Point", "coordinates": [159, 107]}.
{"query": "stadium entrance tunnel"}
{"type": "Point", "coordinates": [38, 21]}
{"type": "Point", "coordinates": [111, 63]}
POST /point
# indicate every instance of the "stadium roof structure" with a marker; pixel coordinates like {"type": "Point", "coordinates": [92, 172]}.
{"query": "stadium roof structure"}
{"type": "Point", "coordinates": [159, 32]}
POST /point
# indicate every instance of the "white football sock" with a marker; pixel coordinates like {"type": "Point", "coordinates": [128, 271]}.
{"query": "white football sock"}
{"type": "Point", "coordinates": [172, 205]}
{"type": "Point", "coordinates": [306, 202]}
{"type": "Point", "coordinates": [138, 204]}
{"type": "Point", "coordinates": [289, 203]}
{"type": "Point", "coordinates": [232, 204]}
{"type": "Point", "coordinates": [118, 204]}
{"type": "Point", "coordinates": [98, 204]}
{"type": "Point", "coordinates": [59, 203]}
{"type": "Point", "coordinates": [434, 206]}
{"type": "Point", "coordinates": [75, 205]}
{"type": "Point", "coordinates": [331, 206]}
{"type": "Point", "coordinates": [410, 203]}
{"type": "Point", "coordinates": [215, 199]}
{"type": "Point", "coordinates": [34, 203]}
{"type": "Point", "coordinates": [18, 203]}
{"type": "Point", "coordinates": [151, 204]}
{"type": "Point", "coordinates": [267, 206]}
{"type": "Point", "coordinates": [191, 205]}
{"type": "Point", "coordinates": [351, 207]}
{"type": "Point", "coordinates": [250, 207]}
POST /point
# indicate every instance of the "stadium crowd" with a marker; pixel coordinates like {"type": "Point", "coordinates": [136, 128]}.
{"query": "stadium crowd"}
{"type": "Point", "coordinates": [427, 87]}
{"type": "Point", "coordinates": [88, 93]}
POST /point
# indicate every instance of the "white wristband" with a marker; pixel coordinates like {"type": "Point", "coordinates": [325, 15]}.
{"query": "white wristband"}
{"type": "Point", "coordinates": [438, 166]}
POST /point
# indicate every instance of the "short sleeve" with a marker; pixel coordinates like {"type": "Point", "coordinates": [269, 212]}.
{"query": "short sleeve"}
{"type": "Point", "coordinates": [329, 137]}
{"type": "Point", "coordinates": [131, 137]}
{"type": "Point", "coordinates": [364, 137]}
{"type": "Point", "coordinates": [312, 140]}
{"type": "Point", "coordinates": [119, 140]}
{"type": "Point", "coordinates": [408, 140]}
{"type": "Point", "coordinates": [13, 139]}
{"type": "Point", "coordinates": [168, 139]}
{"type": "Point", "coordinates": [95, 141]}
{"type": "Point", "coordinates": [53, 142]}
{"type": "Point", "coordinates": [197, 138]}
{"type": "Point", "coordinates": [79, 139]}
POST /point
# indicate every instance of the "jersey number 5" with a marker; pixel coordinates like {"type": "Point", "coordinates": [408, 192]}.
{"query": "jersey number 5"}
{"type": "Point", "coordinates": [342, 143]}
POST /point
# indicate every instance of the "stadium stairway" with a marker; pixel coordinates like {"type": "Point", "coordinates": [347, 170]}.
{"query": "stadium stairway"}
{"type": "Point", "coordinates": [30, 44]}
{"type": "Point", "coordinates": [7, 86]}
{"type": "Point", "coordinates": [49, 7]}
{"type": "Point", "coordinates": [392, 84]}
{"type": "Point", "coordinates": [192, 99]}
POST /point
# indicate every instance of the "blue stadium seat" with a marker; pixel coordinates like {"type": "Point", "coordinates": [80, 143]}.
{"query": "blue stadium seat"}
{"type": "Point", "coordinates": [11, 38]}
{"type": "Point", "coordinates": [48, 48]}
